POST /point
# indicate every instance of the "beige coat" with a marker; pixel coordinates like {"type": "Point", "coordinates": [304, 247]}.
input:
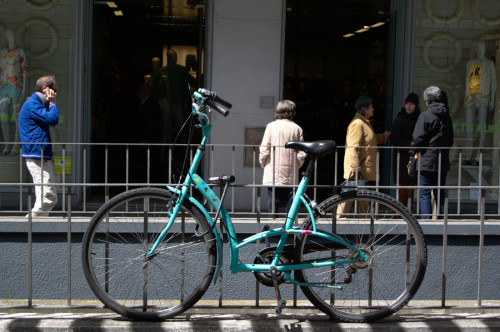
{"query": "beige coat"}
{"type": "Point", "coordinates": [288, 161]}
{"type": "Point", "coordinates": [360, 134]}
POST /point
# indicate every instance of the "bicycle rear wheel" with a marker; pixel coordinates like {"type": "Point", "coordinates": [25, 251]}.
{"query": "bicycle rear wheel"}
{"type": "Point", "coordinates": [392, 239]}
{"type": "Point", "coordinates": [154, 288]}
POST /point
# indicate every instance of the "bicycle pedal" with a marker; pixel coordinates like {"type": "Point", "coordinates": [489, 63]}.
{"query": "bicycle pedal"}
{"type": "Point", "coordinates": [281, 305]}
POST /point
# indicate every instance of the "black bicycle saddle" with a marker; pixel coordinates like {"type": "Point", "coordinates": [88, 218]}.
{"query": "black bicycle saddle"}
{"type": "Point", "coordinates": [314, 148]}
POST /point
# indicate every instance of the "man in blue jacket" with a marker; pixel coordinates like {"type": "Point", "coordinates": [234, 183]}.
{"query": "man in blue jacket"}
{"type": "Point", "coordinates": [38, 113]}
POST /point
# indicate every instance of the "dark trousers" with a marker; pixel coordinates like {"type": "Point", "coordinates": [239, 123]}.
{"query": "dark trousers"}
{"type": "Point", "coordinates": [282, 199]}
{"type": "Point", "coordinates": [430, 179]}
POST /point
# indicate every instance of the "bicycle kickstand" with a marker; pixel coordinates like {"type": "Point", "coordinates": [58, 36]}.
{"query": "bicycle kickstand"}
{"type": "Point", "coordinates": [281, 301]}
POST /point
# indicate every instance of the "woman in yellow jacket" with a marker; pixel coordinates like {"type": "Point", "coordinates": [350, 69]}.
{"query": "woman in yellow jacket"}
{"type": "Point", "coordinates": [361, 141]}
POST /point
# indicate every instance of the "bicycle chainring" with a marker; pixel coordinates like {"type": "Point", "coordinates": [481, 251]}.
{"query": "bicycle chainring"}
{"type": "Point", "coordinates": [265, 256]}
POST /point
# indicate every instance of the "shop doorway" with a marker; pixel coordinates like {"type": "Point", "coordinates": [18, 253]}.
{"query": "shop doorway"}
{"type": "Point", "coordinates": [132, 43]}
{"type": "Point", "coordinates": [336, 51]}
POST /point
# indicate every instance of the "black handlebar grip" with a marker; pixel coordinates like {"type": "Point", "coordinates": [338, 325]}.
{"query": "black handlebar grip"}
{"type": "Point", "coordinates": [222, 179]}
{"type": "Point", "coordinates": [216, 107]}
{"type": "Point", "coordinates": [221, 101]}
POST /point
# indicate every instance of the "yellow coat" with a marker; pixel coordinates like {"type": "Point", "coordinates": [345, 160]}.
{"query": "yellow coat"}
{"type": "Point", "coordinates": [361, 137]}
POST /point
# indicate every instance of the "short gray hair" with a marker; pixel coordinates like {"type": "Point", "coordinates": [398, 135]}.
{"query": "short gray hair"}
{"type": "Point", "coordinates": [432, 94]}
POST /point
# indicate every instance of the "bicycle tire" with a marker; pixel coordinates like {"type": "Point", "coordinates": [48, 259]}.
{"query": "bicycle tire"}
{"type": "Point", "coordinates": [393, 241]}
{"type": "Point", "coordinates": [155, 288]}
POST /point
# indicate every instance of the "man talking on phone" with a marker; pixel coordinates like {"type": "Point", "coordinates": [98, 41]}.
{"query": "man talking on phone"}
{"type": "Point", "coordinates": [38, 113]}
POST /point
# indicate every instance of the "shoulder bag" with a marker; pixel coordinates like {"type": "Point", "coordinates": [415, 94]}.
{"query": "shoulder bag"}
{"type": "Point", "coordinates": [412, 165]}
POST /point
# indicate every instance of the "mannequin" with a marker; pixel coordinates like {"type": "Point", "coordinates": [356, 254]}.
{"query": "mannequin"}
{"type": "Point", "coordinates": [13, 72]}
{"type": "Point", "coordinates": [480, 87]}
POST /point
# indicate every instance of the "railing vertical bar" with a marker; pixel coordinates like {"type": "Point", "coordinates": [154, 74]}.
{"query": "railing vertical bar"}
{"type": "Point", "coordinates": [273, 196]}
{"type": "Point", "coordinates": [127, 165]}
{"type": "Point", "coordinates": [221, 275]}
{"type": "Point", "coordinates": [253, 177]}
{"type": "Point", "coordinates": [481, 249]}
{"type": "Point", "coordinates": [335, 181]}
{"type": "Point", "coordinates": [21, 181]}
{"type": "Point", "coordinates": [148, 164]}
{"type": "Point", "coordinates": [106, 187]}
{"type": "Point", "coordinates": [370, 269]}
{"type": "Point", "coordinates": [63, 172]}
{"type": "Point", "coordinates": [257, 243]}
{"type": "Point", "coordinates": [145, 244]}
{"type": "Point", "coordinates": [315, 189]}
{"type": "Point", "coordinates": [42, 187]}
{"type": "Point", "coordinates": [169, 164]}
{"type": "Point", "coordinates": [233, 170]}
{"type": "Point", "coordinates": [84, 176]}
{"type": "Point", "coordinates": [183, 253]}
{"type": "Point", "coordinates": [480, 180]}
{"type": "Point", "coordinates": [190, 162]}
{"type": "Point", "coordinates": [445, 250]}
{"type": "Point", "coordinates": [398, 183]}
{"type": "Point", "coordinates": [418, 184]}
{"type": "Point", "coordinates": [211, 172]}
{"type": "Point", "coordinates": [377, 158]}
{"type": "Point", "coordinates": [438, 198]}
{"type": "Point", "coordinates": [30, 247]}
{"type": "Point", "coordinates": [333, 273]}
{"type": "Point", "coordinates": [459, 191]}
{"type": "Point", "coordinates": [68, 250]}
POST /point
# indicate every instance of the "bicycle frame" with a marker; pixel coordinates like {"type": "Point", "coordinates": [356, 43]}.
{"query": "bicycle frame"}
{"type": "Point", "coordinates": [299, 199]}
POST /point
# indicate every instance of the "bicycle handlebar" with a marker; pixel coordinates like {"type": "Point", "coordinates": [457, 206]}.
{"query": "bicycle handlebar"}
{"type": "Point", "coordinates": [212, 104]}
{"type": "Point", "coordinates": [221, 101]}
{"type": "Point", "coordinates": [215, 102]}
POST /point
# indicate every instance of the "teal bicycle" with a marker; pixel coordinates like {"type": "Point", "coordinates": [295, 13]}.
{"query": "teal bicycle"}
{"type": "Point", "coordinates": [152, 253]}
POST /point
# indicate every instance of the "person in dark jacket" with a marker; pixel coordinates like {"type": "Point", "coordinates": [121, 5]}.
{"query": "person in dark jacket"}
{"type": "Point", "coordinates": [432, 137]}
{"type": "Point", "coordinates": [402, 134]}
{"type": "Point", "coordinates": [38, 113]}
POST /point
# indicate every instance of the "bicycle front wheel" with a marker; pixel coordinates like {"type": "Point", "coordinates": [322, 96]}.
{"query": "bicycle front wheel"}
{"type": "Point", "coordinates": [391, 238]}
{"type": "Point", "coordinates": [148, 288]}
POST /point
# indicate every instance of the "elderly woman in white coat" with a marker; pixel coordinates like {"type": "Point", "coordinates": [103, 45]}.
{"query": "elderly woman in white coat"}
{"type": "Point", "coordinates": [281, 166]}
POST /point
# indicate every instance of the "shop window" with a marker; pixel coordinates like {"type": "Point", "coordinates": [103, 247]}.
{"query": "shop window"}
{"type": "Point", "coordinates": [456, 46]}
{"type": "Point", "coordinates": [36, 39]}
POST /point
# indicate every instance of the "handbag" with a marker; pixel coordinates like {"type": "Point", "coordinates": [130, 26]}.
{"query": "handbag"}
{"type": "Point", "coordinates": [350, 185]}
{"type": "Point", "coordinates": [412, 165]}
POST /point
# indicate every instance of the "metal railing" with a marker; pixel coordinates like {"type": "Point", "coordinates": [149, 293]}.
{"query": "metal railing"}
{"type": "Point", "coordinates": [99, 169]}
{"type": "Point", "coordinates": [481, 207]}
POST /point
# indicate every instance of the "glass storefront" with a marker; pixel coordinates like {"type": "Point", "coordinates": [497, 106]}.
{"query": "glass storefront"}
{"type": "Point", "coordinates": [36, 39]}
{"type": "Point", "coordinates": [323, 70]}
{"type": "Point", "coordinates": [143, 51]}
{"type": "Point", "coordinates": [456, 48]}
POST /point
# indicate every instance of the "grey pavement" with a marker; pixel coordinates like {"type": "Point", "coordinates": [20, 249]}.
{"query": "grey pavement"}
{"type": "Point", "coordinates": [248, 319]}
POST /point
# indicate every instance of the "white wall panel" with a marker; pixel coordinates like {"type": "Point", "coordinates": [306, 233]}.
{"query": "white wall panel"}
{"type": "Point", "coordinates": [246, 61]}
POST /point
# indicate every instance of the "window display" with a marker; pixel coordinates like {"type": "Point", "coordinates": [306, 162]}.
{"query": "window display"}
{"type": "Point", "coordinates": [456, 48]}
{"type": "Point", "coordinates": [36, 39]}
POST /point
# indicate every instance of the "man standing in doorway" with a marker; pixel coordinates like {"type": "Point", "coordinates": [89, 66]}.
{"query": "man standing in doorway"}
{"type": "Point", "coordinates": [38, 113]}
{"type": "Point", "coordinates": [178, 93]}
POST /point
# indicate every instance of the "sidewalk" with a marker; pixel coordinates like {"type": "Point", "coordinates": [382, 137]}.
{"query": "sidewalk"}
{"type": "Point", "coordinates": [249, 319]}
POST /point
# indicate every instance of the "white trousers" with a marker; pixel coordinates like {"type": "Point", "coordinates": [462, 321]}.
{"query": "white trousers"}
{"type": "Point", "coordinates": [45, 191]}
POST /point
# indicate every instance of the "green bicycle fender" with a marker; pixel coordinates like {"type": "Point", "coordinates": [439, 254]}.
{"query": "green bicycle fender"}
{"type": "Point", "coordinates": [216, 232]}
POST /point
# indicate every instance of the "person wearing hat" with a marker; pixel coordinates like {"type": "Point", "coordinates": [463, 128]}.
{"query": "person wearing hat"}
{"type": "Point", "coordinates": [402, 134]}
